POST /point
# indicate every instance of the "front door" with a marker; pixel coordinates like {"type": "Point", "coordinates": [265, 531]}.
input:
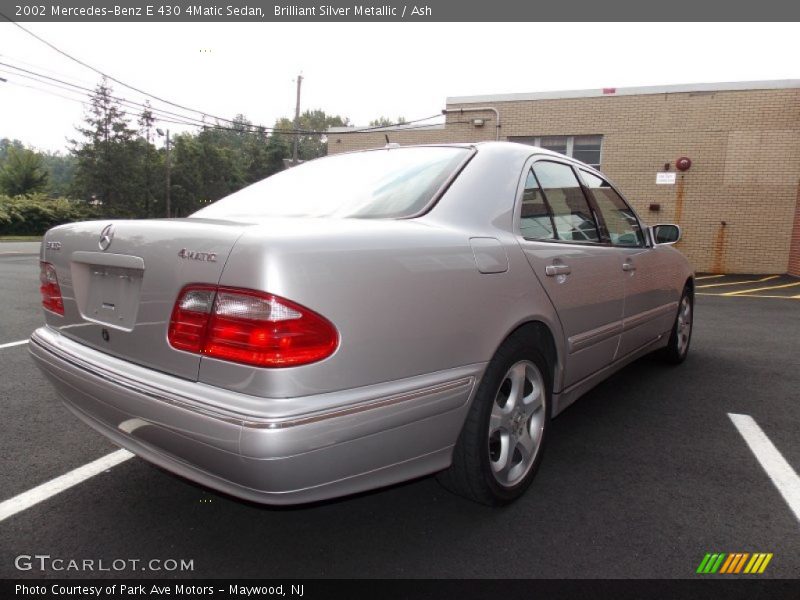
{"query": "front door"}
{"type": "Point", "coordinates": [580, 271]}
{"type": "Point", "coordinates": [650, 307]}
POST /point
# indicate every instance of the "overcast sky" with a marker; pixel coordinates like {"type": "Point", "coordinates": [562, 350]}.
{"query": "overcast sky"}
{"type": "Point", "coordinates": [361, 70]}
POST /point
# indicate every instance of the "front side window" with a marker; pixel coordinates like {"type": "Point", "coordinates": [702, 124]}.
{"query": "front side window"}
{"type": "Point", "coordinates": [622, 224]}
{"type": "Point", "coordinates": [570, 212]}
{"type": "Point", "coordinates": [391, 183]}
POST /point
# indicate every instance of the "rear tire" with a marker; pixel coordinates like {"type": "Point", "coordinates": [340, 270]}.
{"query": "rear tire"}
{"type": "Point", "coordinates": [502, 442]}
{"type": "Point", "coordinates": [677, 348]}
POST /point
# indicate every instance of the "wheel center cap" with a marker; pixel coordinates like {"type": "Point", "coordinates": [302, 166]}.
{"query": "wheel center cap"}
{"type": "Point", "coordinates": [518, 421]}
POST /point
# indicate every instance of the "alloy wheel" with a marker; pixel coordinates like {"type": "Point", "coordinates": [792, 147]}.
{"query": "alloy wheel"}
{"type": "Point", "coordinates": [684, 325]}
{"type": "Point", "coordinates": [516, 423]}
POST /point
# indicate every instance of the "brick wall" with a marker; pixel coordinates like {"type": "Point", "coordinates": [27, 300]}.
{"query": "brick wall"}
{"type": "Point", "coordinates": [738, 204]}
{"type": "Point", "coordinates": [794, 249]}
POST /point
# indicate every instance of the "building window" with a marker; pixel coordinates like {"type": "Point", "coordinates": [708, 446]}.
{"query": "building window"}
{"type": "Point", "coordinates": [585, 148]}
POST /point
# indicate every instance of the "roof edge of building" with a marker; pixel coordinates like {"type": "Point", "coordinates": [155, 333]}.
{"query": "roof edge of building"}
{"type": "Point", "coordinates": [630, 91]}
{"type": "Point", "coordinates": [402, 127]}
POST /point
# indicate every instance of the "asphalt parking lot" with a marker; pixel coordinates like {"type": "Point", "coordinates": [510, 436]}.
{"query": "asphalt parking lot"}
{"type": "Point", "coordinates": [643, 476]}
{"type": "Point", "coordinates": [776, 287]}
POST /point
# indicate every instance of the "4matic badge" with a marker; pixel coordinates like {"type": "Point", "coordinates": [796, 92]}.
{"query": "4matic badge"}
{"type": "Point", "coordinates": [194, 255]}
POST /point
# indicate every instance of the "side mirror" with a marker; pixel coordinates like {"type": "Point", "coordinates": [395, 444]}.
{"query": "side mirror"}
{"type": "Point", "coordinates": [665, 234]}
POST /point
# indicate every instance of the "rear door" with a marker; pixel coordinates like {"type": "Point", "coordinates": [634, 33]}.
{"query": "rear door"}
{"type": "Point", "coordinates": [650, 305]}
{"type": "Point", "coordinates": [580, 271]}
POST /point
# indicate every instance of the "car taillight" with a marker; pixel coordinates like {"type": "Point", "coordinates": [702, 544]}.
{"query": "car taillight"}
{"type": "Point", "coordinates": [249, 327]}
{"type": "Point", "coordinates": [190, 315]}
{"type": "Point", "coordinates": [51, 292]}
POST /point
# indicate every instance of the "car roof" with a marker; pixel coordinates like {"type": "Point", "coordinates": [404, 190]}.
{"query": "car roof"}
{"type": "Point", "coordinates": [525, 150]}
{"type": "Point", "coordinates": [522, 148]}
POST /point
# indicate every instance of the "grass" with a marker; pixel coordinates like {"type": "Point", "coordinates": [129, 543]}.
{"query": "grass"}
{"type": "Point", "coordinates": [20, 238]}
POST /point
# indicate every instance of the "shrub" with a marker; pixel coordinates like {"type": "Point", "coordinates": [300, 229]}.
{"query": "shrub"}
{"type": "Point", "coordinates": [35, 214]}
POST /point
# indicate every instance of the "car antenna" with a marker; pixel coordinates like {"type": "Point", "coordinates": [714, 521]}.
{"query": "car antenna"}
{"type": "Point", "coordinates": [389, 145]}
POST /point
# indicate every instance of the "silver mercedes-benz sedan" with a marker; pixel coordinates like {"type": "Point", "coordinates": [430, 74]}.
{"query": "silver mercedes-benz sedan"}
{"type": "Point", "coordinates": [362, 319]}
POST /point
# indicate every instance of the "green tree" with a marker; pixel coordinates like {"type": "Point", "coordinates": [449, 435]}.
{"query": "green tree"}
{"type": "Point", "coordinates": [60, 170]}
{"type": "Point", "coordinates": [5, 145]}
{"type": "Point", "coordinates": [206, 167]}
{"type": "Point", "coordinates": [310, 145]}
{"type": "Point", "coordinates": [108, 168]}
{"type": "Point", "coordinates": [220, 160]}
{"type": "Point", "coordinates": [386, 121]}
{"type": "Point", "coordinates": [186, 189]}
{"type": "Point", "coordinates": [264, 155]}
{"type": "Point", "coordinates": [23, 172]}
{"type": "Point", "coordinates": [151, 166]}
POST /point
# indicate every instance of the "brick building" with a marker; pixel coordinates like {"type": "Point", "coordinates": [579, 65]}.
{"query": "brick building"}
{"type": "Point", "coordinates": [738, 203]}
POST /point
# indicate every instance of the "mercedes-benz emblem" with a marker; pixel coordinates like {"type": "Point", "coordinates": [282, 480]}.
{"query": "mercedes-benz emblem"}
{"type": "Point", "coordinates": [106, 237]}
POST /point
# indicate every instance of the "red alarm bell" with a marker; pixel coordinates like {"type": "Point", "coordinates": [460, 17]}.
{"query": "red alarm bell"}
{"type": "Point", "coordinates": [683, 163]}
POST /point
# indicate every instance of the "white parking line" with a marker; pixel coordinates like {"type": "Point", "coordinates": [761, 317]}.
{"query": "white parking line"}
{"type": "Point", "coordinates": [781, 472]}
{"type": "Point", "coordinates": [25, 500]}
{"type": "Point", "coordinates": [12, 344]}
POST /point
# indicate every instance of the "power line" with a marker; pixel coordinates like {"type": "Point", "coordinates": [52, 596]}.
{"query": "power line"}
{"type": "Point", "coordinates": [193, 121]}
{"type": "Point", "coordinates": [303, 132]}
{"type": "Point", "coordinates": [33, 75]}
{"type": "Point", "coordinates": [156, 111]}
{"type": "Point", "coordinates": [15, 59]}
{"type": "Point", "coordinates": [169, 102]}
{"type": "Point", "coordinates": [106, 75]}
{"type": "Point", "coordinates": [85, 101]}
{"type": "Point", "coordinates": [49, 92]}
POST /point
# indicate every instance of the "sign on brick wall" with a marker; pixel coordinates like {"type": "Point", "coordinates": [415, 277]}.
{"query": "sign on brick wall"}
{"type": "Point", "coordinates": [665, 178]}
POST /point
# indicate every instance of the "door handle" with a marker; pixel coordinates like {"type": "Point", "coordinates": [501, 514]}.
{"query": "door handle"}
{"type": "Point", "coordinates": [628, 266]}
{"type": "Point", "coordinates": [553, 270]}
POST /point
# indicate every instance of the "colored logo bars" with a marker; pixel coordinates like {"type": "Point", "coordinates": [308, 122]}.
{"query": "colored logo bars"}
{"type": "Point", "coordinates": [734, 563]}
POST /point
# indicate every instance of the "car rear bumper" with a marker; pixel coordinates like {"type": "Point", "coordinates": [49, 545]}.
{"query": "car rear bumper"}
{"type": "Point", "coordinates": [359, 439]}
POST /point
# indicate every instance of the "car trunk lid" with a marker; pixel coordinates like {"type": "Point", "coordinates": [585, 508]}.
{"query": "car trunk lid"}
{"type": "Point", "coordinates": [119, 281]}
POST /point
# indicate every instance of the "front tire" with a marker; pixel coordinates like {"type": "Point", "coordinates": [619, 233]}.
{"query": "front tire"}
{"type": "Point", "coordinates": [502, 441]}
{"type": "Point", "coordinates": [677, 349]}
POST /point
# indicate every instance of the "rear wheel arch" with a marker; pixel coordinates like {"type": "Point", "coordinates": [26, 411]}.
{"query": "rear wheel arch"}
{"type": "Point", "coordinates": [475, 473]}
{"type": "Point", "coordinates": [689, 285]}
{"type": "Point", "coordinates": [540, 335]}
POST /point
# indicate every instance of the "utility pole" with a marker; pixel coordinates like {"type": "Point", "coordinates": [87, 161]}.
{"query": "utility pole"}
{"type": "Point", "coordinates": [296, 120]}
{"type": "Point", "coordinates": [169, 169]}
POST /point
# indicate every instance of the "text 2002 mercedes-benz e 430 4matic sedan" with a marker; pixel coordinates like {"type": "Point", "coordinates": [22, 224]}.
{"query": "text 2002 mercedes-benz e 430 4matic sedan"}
{"type": "Point", "coordinates": [361, 319]}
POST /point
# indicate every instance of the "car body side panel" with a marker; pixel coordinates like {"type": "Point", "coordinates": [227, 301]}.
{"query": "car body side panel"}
{"type": "Point", "coordinates": [652, 293]}
{"type": "Point", "coordinates": [610, 303]}
{"type": "Point", "coordinates": [406, 297]}
{"type": "Point", "coordinates": [590, 301]}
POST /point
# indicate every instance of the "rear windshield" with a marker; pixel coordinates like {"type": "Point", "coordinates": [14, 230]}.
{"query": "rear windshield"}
{"type": "Point", "coordinates": [391, 183]}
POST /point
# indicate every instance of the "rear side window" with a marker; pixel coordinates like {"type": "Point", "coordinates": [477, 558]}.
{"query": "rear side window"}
{"type": "Point", "coordinates": [536, 222]}
{"type": "Point", "coordinates": [571, 215]}
{"type": "Point", "coordinates": [622, 224]}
